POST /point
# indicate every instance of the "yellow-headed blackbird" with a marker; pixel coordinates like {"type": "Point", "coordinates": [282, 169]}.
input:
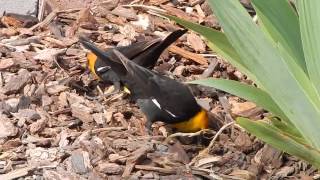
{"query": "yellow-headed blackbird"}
{"type": "Point", "coordinates": [159, 97]}
{"type": "Point", "coordinates": [144, 53]}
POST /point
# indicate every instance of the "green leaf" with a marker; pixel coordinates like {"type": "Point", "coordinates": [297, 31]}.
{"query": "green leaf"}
{"type": "Point", "coordinates": [251, 93]}
{"type": "Point", "coordinates": [287, 128]}
{"type": "Point", "coordinates": [309, 16]}
{"type": "Point", "coordinates": [281, 140]}
{"type": "Point", "coordinates": [264, 61]}
{"type": "Point", "coordinates": [300, 76]}
{"type": "Point", "coordinates": [281, 22]}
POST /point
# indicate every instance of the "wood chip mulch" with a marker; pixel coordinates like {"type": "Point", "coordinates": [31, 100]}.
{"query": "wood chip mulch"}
{"type": "Point", "coordinates": [56, 121]}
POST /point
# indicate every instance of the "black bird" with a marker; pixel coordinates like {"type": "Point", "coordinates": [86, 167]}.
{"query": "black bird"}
{"type": "Point", "coordinates": [159, 97]}
{"type": "Point", "coordinates": [144, 53]}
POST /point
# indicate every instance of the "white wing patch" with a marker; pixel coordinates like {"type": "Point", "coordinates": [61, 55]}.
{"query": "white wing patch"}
{"type": "Point", "coordinates": [156, 103]}
{"type": "Point", "coordinates": [159, 106]}
{"type": "Point", "coordinates": [102, 68]}
{"type": "Point", "coordinates": [170, 113]}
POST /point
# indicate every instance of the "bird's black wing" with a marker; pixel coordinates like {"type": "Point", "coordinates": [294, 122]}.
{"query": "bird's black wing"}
{"type": "Point", "coordinates": [172, 96]}
{"type": "Point", "coordinates": [135, 49]}
{"type": "Point", "coordinates": [150, 56]}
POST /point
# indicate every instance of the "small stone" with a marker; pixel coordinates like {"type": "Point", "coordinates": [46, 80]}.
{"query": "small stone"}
{"type": "Point", "coordinates": [109, 168]}
{"type": "Point", "coordinates": [7, 129]}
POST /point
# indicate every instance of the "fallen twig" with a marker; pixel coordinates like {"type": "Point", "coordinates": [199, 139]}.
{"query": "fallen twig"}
{"type": "Point", "coordinates": [179, 134]}
{"type": "Point", "coordinates": [206, 150]}
{"type": "Point", "coordinates": [156, 169]}
{"type": "Point", "coordinates": [189, 55]}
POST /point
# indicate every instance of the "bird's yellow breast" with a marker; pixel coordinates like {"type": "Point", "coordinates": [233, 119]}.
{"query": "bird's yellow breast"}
{"type": "Point", "coordinates": [194, 124]}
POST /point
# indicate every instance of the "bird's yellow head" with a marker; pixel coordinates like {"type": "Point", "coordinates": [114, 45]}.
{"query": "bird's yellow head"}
{"type": "Point", "coordinates": [91, 61]}
{"type": "Point", "coordinates": [198, 122]}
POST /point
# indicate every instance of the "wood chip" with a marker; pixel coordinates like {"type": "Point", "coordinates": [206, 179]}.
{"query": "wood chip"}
{"type": "Point", "coordinates": [28, 114]}
{"type": "Point", "coordinates": [7, 128]}
{"type": "Point", "coordinates": [78, 161]}
{"type": "Point", "coordinates": [16, 83]}
{"type": "Point", "coordinates": [196, 42]}
{"type": "Point", "coordinates": [138, 155]}
{"type": "Point", "coordinates": [125, 12]}
{"type": "Point", "coordinates": [110, 168]}
{"type": "Point", "coordinates": [189, 55]}
{"type": "Point", "coordinates": [56, 89]}
{"type": "Point", "coordinates": [6, 63]}
{"type": "Point", "coordinates": [18, 173]}
{"type": "Point", "coordinates": [157, 2]}
{"type": "Point", "coordinates": [179, 13]}
{"type": "Point", "coordinates": [82, 112]}
{"type": "Point", "coordinates": [37, 126]}
{"type": "Point", "coordinates": [156, 169]}
{"type": "Point", "coordinates": [243, 174]}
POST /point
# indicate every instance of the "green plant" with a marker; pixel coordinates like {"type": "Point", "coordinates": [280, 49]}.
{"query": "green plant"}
{"type": "Point", "coordinates": [281, 56]}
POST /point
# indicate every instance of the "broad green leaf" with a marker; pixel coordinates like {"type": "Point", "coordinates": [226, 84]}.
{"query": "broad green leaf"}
{"type": "Point", "coordinates": [244, 91]}
{"type": "Point", "coordinates": [282, 23]}
{"type": "Point", "coordinates": [265, 62]}
{"type": "Point", "coordinates": [287, 128]}
{"type": "Point", "coordinates": [218, 42]}
{"type": "Point", "coordinates": [281, 140]}
{"type": "Point", "coordinates": [300, 76]}
{"type": "Point", "coordinates": [309, 16]}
